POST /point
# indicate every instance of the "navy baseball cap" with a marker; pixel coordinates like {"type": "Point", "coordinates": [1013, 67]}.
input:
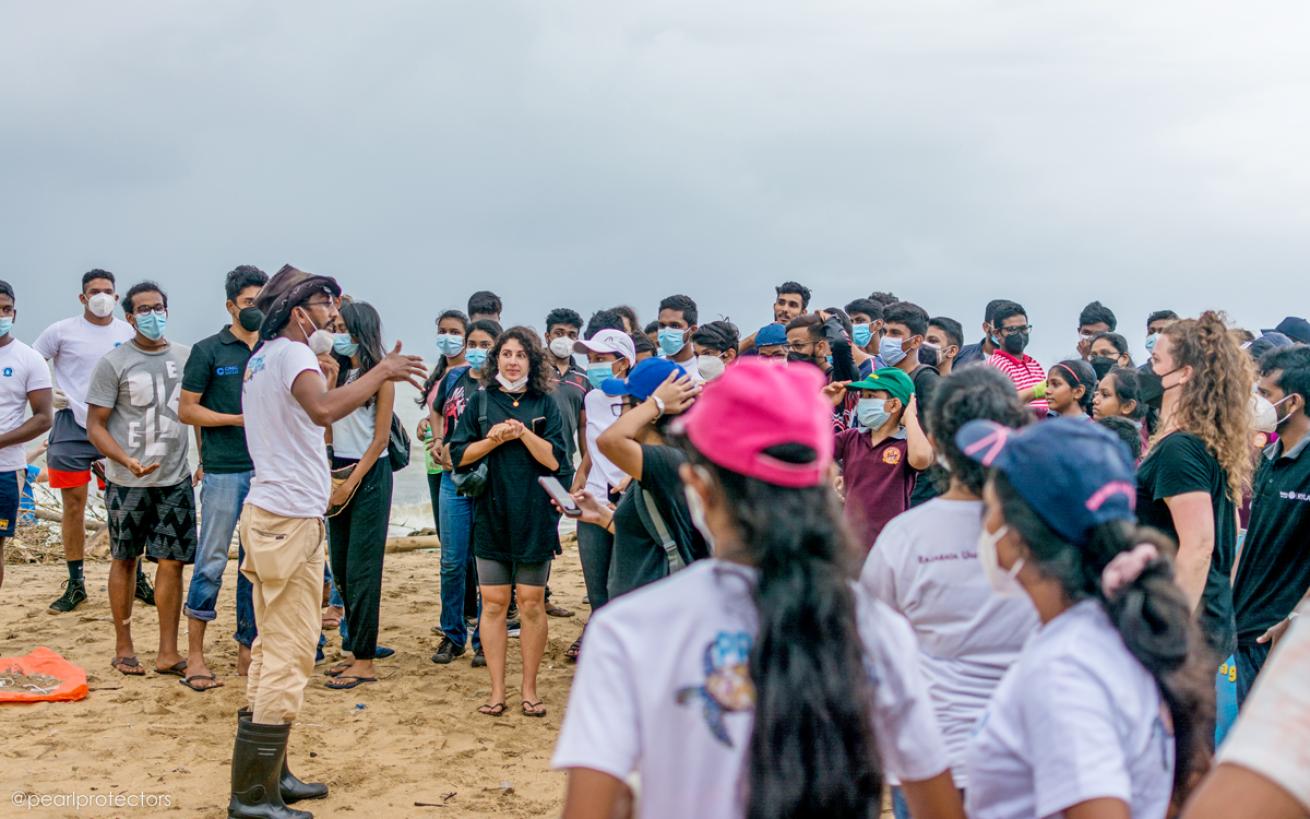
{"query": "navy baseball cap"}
{"type": "Point", "coordinates": [1297, 329]}
{"type": "Point", "coordinates": [771, 335]}
{"type": "Point", "coordinates": [1074, 473]}
{"type": "Point", "coordinates": [644, 379]}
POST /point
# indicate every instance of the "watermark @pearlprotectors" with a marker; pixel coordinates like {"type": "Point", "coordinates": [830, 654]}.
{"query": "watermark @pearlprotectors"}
{"type": "Point", "coordinates": [72, 800]}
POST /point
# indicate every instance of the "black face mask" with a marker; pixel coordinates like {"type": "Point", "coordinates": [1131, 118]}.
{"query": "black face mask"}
{"type": "Point", "coordinates": [1151, 390]}
{"type": "Point", "coordinates": [1102, 364]}
{"type": "Point", "coordinates": [1015, 343]}
{"type": "Point", "coordinates": [250, 319]}
{"type": "Point", "coordinates": [793, 357]}
{"type": "Point", "coordinates": [929, 356]}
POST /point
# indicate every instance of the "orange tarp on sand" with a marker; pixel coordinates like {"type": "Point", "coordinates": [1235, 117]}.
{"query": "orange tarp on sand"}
{"type": "Point", "coordinates": [42, 676]}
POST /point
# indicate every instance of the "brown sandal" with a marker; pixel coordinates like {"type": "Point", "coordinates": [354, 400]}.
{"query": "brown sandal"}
{"type": "Point", "coordinates": [493, 709]}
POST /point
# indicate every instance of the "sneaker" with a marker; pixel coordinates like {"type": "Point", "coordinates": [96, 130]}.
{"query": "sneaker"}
{"type": "Point", "coordinates": [479, 659]}
{"type": "Point", "coordinates": [512, 623]}
{"type": "Point", "coordinates": [74, 595]}
{"type": "Point", "coordinates": [513, 632]}
{"type": "Point", "coordinates": [447, 651]}
{"type": "Point", "coordinates": [143, 591]}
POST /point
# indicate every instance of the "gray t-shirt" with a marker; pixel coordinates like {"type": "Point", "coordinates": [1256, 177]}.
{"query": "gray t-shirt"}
{"type": "Point", "coordinates": [142, 389]}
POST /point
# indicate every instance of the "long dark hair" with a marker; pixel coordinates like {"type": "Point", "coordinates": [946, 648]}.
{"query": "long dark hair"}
{"type": "Point", "coordinates": [438, 371]}
{"type": "Point", "coordinates": [1128, 387]}
{"type": "Point", "coordinates": [1151, 614]}
{"type": "Point", "coordinates": [365, 326]}
{"type": "Point", "coordinates": [812, 750]}
{"type": "Point", "coordinates": [1079, 374]}
{"type": "Point", "coordinates": [540, 374]}
{"type": "Point", "coordinates": [962, 396]}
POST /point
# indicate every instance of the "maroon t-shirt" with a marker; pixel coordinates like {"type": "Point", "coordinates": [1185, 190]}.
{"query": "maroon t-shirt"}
{"type": "Point", "coordinates": [878, 479]}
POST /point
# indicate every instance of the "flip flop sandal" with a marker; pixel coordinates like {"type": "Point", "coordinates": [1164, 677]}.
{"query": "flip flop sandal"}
{"type": "Point", "coordinates": [338, 669]}
{"type": "Point", "coordinates": [177, 669]}
{"type": "Point", "coordinates": [534, 709]}
{"type": "Point", "coordinates": [187, 681]}
{"type": "Point", "coordinates": [493, 709]}
{"type": "Point", "coordinates": [119, 663]}
{"type": "Point", "coordinates": [336, 683]}
{"type": "Point", "coordinates": [557, 611]}
{"type": "Point", "coordinates": [573, 652]}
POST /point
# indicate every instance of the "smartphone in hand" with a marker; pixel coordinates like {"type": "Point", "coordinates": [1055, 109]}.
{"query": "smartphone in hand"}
{"type": "Point", "coordinates": [560, 495]}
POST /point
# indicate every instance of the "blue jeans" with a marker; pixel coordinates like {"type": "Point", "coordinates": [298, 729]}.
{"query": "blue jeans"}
{"type": "Point", "coordinates": [334, 599]}
{"type": "Point", "coordinates": [456, 540]}
{"type": "Point", "coordinates": [221, 499]}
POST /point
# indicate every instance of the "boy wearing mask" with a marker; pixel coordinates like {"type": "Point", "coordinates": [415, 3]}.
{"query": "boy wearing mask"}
{"type": "Point", "coordinates": [677, 321]}
{"type": "Point", "coordinates": [882, 456]}
{"type": "Point", "coordinates": [1012, 334]}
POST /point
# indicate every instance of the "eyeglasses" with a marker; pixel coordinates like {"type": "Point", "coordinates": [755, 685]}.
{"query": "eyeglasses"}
{"type": "Point", "coordinates": [1010, 331]}
{"type": "Point", "coordinates": [324, 303]}
{"type": "Point", "coordinates": [145, 310]}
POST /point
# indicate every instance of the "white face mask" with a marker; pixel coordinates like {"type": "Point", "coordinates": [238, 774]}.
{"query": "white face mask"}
{"type": "Point", "coordinates": [511, 386]}
{"type": "Point", "coordinates": [101, 305]}
{"type": "Point", "coordinates": [696, 507]}
{"type": "Point", "coordinates": [1264, 414]}
{"type": "Point", "coordinates": [710, 366]}
{"type": "Point", "coordinates": [561, 347]}
{"type": "Point", "coordinates": [319, 341]}
{"type": "Point", "coordinates": [1003, 583]}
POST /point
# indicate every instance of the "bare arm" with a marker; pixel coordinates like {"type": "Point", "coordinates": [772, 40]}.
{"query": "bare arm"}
{"type": "Point", "coordinates": [1103, 808]}
{"type": "Point", "coordinates": [42, 417]}
{"type": "Point", "coordinates": [619, 442]}
{"type": "Point", "coordinates": [1234, 792]}
{"type": "Point", "coordinates": [594, 795]}
{"type": "Point", "coordinates": [918, 449]}
{"type": "Point", "coordinates": [937, 797]}
{"type": "Point", "coordinates": [326, 406]}
{"type": "Point", "coordinates": [97, 432]}
{"type": "Point", "coordinates": [191, 413]}
{"type": "Point", "coordinates": [1193, 518]}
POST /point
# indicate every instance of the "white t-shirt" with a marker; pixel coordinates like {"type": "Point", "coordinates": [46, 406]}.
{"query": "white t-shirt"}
{"type": "Point", "coordinates": [353, 435]}
{"type": "Point", "coordinates": [663, 689]}
{"type": "Point", "coordinates": [287, 448]}
{"type": "Point", "coordinates": [22, 370]}
{"type": "Point", "coordinates": [75, 345]}
{"type": "Point", "coordinates": [602, 412]}
{"type": "Point", "coordinates": [1076, 718]}
{"type": "Point", "coordinates": [925, 566]}
{"type": "Point", "coordinates": [1272, 735]}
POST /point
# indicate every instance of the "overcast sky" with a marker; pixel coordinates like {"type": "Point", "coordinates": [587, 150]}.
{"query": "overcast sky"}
{"type": "Point", "coordinates": [589, 153]}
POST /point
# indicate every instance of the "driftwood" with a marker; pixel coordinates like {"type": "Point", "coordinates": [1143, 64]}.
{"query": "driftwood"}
{"type": "Point", "coordinates": [92, 525]}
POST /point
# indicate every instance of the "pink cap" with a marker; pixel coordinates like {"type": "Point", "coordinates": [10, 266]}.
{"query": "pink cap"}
{"type": "Point", "coordinates": [754, 406]}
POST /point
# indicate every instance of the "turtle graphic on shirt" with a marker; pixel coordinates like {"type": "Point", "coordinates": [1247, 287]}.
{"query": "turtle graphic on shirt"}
{"type": "Point", "coordinates": [728, 687]}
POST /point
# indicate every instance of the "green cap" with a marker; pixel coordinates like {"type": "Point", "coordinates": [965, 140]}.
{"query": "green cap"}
{"type": "Point", "coordinates": [889, 380]}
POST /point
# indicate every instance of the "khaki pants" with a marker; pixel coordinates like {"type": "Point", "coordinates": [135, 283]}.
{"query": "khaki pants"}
{"type": "Point", "coordinates": [284, 564]}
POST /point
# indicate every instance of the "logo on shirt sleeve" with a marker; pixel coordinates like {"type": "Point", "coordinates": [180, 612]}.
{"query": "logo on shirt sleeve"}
{"type": "Point", "coordinates": [9, 372]}
{"type": "Point", "coordinates": [728, 687]}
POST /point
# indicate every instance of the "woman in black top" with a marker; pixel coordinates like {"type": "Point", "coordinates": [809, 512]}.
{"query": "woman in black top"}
{"type": "Point", "coordinates": [514, 426]}
{"type": "Point", "coordinates": [1200, 463]}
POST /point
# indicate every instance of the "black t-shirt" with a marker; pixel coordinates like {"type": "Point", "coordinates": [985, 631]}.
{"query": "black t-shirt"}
{"type": "Point", "coordinates": [1178, 464]}
{"type": "Point", "coordinates": [457, 387]}
{"type": "Point", "coordinates": [216, 370]}
{"type": "Point", "coordinates": [639, 557]}
{"type": "Point", "coordinates": [570, 389]}
{"type": "Point", "coordinates": [1274, 570]}
{"type": "Point", "coordinates": [513, 519]}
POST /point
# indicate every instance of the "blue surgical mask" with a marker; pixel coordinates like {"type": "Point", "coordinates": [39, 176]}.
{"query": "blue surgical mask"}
{"type": "Point", "coordinates": [152, 325]}
{"type": "Point", "coordinates": [342, 345]}
{"type": "Point", "coordinates": [672, 340]}
{"type": "Point", "coordinates": [6, 324]}
{"type": "Point", "coordinates": [861, 334]}
{"type": "Point", "coordinates": [872, 412]}
{"type": "Point", "coordinates": [599, 373]}
{"type": "Point", "coordinates": [477, 358]}
{"type": "Point", "coordinates": [891, 350]}
{"type": "Point", "coordinates": [449, 344]}
{"type": "Point", "coordinates": [1150, 342]}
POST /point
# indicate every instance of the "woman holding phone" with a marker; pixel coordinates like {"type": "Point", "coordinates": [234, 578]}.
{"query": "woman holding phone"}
{"type": "Point", "coordinates": [513, 426]}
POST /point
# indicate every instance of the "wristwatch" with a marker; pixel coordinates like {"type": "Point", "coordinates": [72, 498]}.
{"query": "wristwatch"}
{"type": "Point", "coordinates": [659, 405]}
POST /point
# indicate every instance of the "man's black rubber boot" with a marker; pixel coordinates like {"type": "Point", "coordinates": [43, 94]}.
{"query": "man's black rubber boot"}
{"type": "Point", "coordinates": [291, 788]}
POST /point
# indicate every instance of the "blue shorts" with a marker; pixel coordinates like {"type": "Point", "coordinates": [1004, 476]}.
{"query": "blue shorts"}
{"type": "Point", "coordinates": [9, 495]}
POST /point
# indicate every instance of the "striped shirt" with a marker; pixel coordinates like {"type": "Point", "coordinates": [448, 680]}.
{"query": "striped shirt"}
{"type": "Point", "coordinates": [1023, 373]}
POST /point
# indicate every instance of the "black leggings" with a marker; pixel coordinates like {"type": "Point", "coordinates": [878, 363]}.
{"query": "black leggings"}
{"type": "Point", "coordinates": [357, 542]}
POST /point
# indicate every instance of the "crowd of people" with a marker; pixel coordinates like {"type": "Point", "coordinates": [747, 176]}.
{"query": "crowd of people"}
{"type": "Point", "coordinates": [846, 551]}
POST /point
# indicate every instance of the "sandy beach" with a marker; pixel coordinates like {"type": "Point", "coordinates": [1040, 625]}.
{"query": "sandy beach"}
{"type": "Point", "coordinates": [383, 749]}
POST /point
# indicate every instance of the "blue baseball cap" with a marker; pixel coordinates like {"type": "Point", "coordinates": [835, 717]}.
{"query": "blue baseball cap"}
{"type": "Point", "coordinates": [644, 379]}
{"type": "Point", "coordinates": [771, 335]}
{"type": "Point", "coordinates": [1074, 473]}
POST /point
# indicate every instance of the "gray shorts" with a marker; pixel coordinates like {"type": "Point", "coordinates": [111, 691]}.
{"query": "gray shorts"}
{"type": "Point", "coordinates": [498, 573]}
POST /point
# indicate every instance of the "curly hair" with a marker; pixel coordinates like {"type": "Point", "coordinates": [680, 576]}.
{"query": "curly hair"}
{"type": "Point", "coordinates": [540, 374]}
{"type": "Point", "coordinates": [962, 396]}
{"type": "Point", "coordinates": [1215, 404]}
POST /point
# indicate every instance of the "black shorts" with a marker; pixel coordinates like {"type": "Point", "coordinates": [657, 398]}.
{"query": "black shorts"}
{"type": "Point", "coordinates": [157, 521]}
{"type": "Point", "coordinates": [10, 492]}
{"type": "Point", "coordinates": [500, 573]}
{"type": "Point", "coordinates": [71, 454]}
